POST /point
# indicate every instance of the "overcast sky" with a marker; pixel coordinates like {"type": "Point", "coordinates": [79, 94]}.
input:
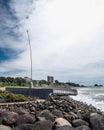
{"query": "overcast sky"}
{"type": "Point", "coordinates": [67, 39]}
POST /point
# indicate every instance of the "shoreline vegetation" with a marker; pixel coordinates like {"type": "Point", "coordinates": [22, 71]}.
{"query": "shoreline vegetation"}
{"type": "Point", "coordinates": [6, 97]}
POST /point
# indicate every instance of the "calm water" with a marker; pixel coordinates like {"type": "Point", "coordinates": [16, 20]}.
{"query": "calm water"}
{"type": "Point", "coordinates": [91, 95]}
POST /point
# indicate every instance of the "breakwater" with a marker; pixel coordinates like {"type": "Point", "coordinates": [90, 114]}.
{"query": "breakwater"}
{"type": "Point", "coordinates": [54, 113]}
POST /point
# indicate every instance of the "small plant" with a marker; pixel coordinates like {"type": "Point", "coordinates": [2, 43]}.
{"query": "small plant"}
{"type": "Point", "coordinates": [17, 98]}
{"type": "Point", "coordinates": [10, 97]}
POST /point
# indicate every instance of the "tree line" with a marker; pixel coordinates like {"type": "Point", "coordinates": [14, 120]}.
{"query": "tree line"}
{"type": "Point", "coordinates": [41, 82]}
{"type": "Point", "coordinates": [19, 81]}
{"type": "Point", "coordinates": [10, 81]}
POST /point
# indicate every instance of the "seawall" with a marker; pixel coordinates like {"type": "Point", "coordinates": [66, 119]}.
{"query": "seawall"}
{"type": "Point", "coordinates": [41, 93]}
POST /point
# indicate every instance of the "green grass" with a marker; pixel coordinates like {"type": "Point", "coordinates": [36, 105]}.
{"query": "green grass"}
{"type": "Point", "coordinates": [6, 84]}
{"type": "Point", "coordinates": [10, 97]}
{"type": "Point", "coordinates": [16, 86]}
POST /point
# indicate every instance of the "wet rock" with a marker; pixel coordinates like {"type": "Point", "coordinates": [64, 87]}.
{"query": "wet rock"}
{"type": "Point", "coordinates": [97, 121]}
{"type": "Point", "coordinates": [45, 114]}
{"type": "Point", "coordinates": [25, 119]}
{"type": "Point", "coordinates": [3, 127]}
{"type": "Point", "coordinates": [9, 118]}
{"type": "Point", "coordinates": [61, 122]}
{"type": "Point", "coordinates": [79, 122]}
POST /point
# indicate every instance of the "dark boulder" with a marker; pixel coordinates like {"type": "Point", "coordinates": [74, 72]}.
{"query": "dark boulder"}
{"type": "Point", "coordinates": [44, 125]}
{"type": "Point", "coordinates": [57, 113]}
{"type": "Point", "coordinates": [79, 122]}
{"type": "Point", "coordinates": [97, 121]}
{"type": "Point", "coordinates": [1, 120]}
{"type": "Point", "coordinates": [45, 115]}
{"type": "Point", "coordinates": [9, 118]}
{"type": "Point", "coordinates": [69, 118]}
{"type": "Point", "coordinates": [26, 127]}
{"type": "Point", "coordinates": [75, 116]}
{"type": "Point", "coordinates": [26, 118]}
{"type": "Point", "coordinates": [83, 127]}
{"type": "Point", "coordinates": [21, 111]}
{"type": "Point", "coordinates": [66, 127]}
{"type": "Point", "coordinates": [3, 127]}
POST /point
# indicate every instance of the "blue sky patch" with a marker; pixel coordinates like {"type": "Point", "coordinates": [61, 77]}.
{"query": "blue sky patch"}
{"type": "Point", "coordinates": [7, 54]}
{"type": "Point", "coordinates": [12, 72]}
{"type": "Point", "coordinates": [8, 21]}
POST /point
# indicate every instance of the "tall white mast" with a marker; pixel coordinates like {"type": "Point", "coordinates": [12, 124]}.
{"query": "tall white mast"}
{"type": "Point", "coordinates": [31, 84]}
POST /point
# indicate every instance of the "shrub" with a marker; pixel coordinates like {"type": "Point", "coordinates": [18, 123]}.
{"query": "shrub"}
{"type": "Point", "coordinates": [17, 98]}
{"type": "Point", "coordinates": [10, 97]}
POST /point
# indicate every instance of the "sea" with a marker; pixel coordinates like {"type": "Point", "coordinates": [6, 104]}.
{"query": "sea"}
{"type": "Point", "coordinates": [92, 96]}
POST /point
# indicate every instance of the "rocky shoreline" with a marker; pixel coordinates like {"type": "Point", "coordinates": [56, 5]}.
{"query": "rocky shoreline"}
{"type": "Point", "coordinates": [55, 113]}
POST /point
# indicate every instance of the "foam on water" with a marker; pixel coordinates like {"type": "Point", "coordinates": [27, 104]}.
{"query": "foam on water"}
{"type": "Point", "coordinates": [91, 95]}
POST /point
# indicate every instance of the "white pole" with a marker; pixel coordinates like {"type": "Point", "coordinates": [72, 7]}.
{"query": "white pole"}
{"type": "Point", "coordinates": [31, 84]}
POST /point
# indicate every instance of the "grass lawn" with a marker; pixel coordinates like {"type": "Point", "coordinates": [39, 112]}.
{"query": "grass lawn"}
{"type": "Point", "coordinates": [16, 86]}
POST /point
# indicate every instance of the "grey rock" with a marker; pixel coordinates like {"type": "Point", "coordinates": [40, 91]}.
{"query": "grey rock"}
{"type": "Point", "coordinates": [65, 128]}
{"type": "Point", "coordinates": [26, 118]}
{"type": "Point", "coordinates": [57, 113]}
{"type": "Point", "coordinates": [73, 114]}
{"type": "Point", "coordinates": [79, 122]}
{"type": "Point", "coordinates": [21, 111]}
{"type": "Point", "coordinates": [1, 120]}
{"type": "Point", "coordinates": [26, 127]}
{"type": "Point", "coordinates": [44, 125]}
{"type": "Point", "coordinates": [97, 121]}
{"type": "Point", "coordinates": [83, 127]}
{"type": "Point", "coordinates": [61, 122]}
{"type": "Point", "coordinates": [9, 118]}
{"type": "Point", "coordinates": [69, 118]}
{"type": "Point", "coordinates": [3, 127]}
{"type": "Point", "coordinates": [45, 114]}
{"type": "Point", "coordinates": [41, 118]}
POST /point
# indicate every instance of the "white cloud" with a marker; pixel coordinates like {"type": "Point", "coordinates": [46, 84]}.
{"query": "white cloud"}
{"type": "Point", "coordinates": [66, 36]}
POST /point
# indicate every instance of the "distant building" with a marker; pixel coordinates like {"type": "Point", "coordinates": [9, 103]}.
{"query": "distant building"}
{"type": "Point", "coordinates": [50, 79]}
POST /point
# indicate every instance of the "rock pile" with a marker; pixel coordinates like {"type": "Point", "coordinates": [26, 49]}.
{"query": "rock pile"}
{"type": "Point", "coordinates": [55, 113]}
